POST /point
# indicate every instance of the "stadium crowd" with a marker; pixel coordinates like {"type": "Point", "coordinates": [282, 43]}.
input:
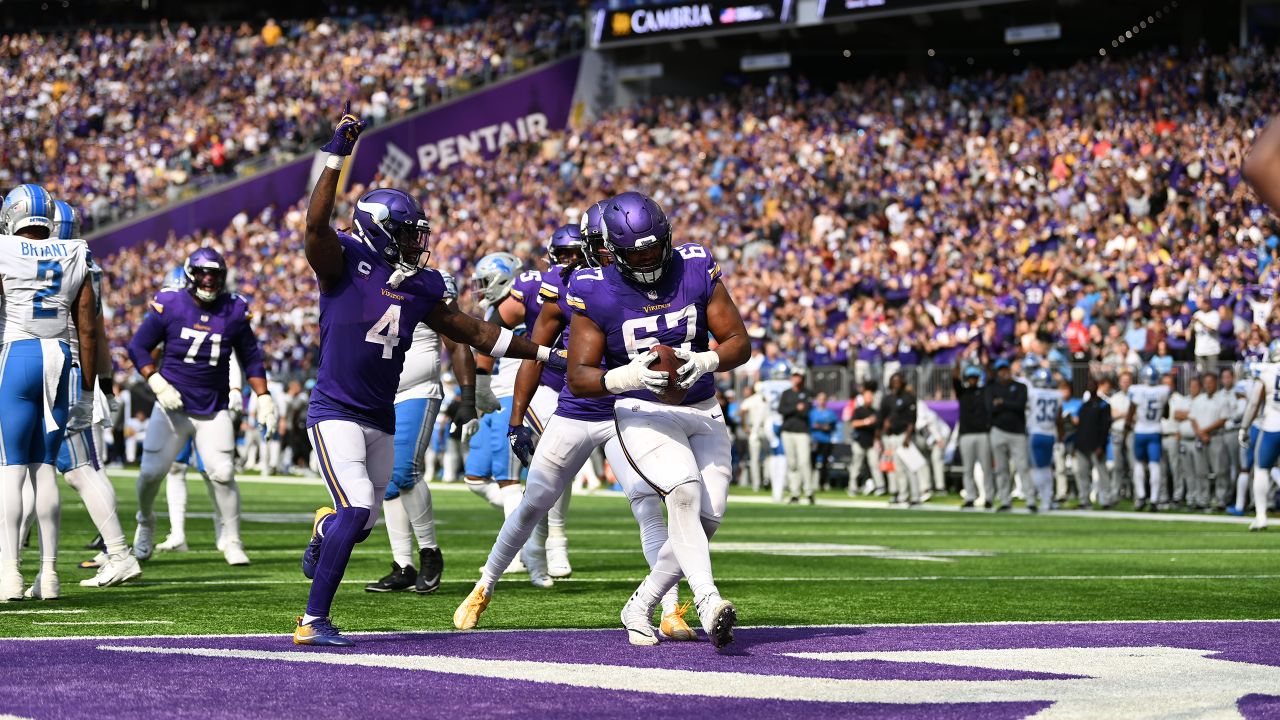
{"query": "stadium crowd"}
{"type": "Point", "coordinates": [1089, 218]}
{"type": "Point", "coordinates": [126, 119]}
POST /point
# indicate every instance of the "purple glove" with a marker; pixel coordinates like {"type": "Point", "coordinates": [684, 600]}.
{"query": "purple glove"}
{"type": "Point", "coordinates": [345, 133]}
{"type": "Point", "coordinates": [521, 440]}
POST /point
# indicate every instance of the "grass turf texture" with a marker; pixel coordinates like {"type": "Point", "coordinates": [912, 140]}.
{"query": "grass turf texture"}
{"type": "Point", "coordinates": [990, 568]}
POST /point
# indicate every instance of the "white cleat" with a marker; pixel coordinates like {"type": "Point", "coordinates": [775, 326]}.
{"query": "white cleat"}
{"type": "Point", "coordinates": [144, 537]}
{"type": "Point", "coordinates": [1258, 525]}
{"type": "Point", "coordinates": [114, 571]}
{"type": "Point", "coordinates": [538, 576]}
{"type": "Point", "coordinates": [173, 543]}
{"type": "Point", "coordinates": [718, 617]}
{"type": "Point", "coordinates": [638, 620]}
{"type": "Point", "coordinates": [11, 586]}
{"type": "Point", "coordinates": [558, 557]}
{"type": "Point", "coordinates": [234, 553]}
{"type": "Point", "coordinates": [46, 586]}
{"type": "Point", "coordinates": [516, 566]}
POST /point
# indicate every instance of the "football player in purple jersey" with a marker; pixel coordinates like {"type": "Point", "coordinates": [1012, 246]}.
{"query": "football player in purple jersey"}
{"type": "Point", "coordinates": [200, 326]}
{"type": "Point", "coordinates": [655, 293]}
{"type": "Point", "coordinates": [375, 288]}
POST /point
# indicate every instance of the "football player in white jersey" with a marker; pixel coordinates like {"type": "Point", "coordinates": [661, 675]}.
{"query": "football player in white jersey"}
{"type": "Point", "coordinates": [1044, 429]}
{"type": "Point", "coordinates": [406, 507]}
{"type": "Point", "coordinates": [1264, 401]}
{"type": "Point", "coordinates": [1147, 404]}
{"type": "Point", "coordinates": [492, 469]}
{"type": "Point", "coordinates": [1248, 437]}
{"type": "Point", "coordinates": [45, 284]}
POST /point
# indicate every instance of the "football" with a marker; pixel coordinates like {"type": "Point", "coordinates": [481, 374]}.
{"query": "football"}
{"type": "Point", "coordinates": [668, 362]}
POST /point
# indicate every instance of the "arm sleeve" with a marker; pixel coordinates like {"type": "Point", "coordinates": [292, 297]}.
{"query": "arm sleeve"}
{"type": "Point", "coordinates": [249, 352]}
{"type": "Point", "coordinates": [150, 334]}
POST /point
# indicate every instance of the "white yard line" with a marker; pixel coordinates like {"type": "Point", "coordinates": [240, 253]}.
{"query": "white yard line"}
{"type": "Point", "coordinates": [108, 622]}
{"type": "Point", "coordinates": [42, 612]}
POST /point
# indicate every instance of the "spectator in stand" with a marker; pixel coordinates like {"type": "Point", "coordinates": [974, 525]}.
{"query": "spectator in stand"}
{"type": "Point", "coordinates": [1006, 403]}
{"type": "Point", "coordinates": [794, 406]}
{"type": "Point", "coordinates": [864, 424]}
{"type": "Point", "coordinates": [1207, 346]}
{"type": "Point", "coordinates": [823, 421]}
{"type": "Point", "coordinates": [1162, 359]}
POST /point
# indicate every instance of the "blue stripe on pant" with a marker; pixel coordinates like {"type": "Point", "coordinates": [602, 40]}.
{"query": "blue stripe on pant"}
{"type": "Point", "coordinates": [1247, 452]}
{"type": "Point", "coordinates": [23, 439]}
{"type": "Point", "coordinates": [415, 422]}
{"type": "Point", "coordinates": [1147, 447]}
{"type": "Point", "coordinates": [1268, 450]}
{"type": "Point", "coordinates": [1042, 450]}
{"type": "Point", "coordinates": [490, 455]}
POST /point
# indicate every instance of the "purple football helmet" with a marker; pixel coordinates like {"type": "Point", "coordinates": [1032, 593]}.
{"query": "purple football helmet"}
{"type": "Point", "coordinates": [206, 274]}
{"type": "Point", "coordinates": [567, 247]}
{"type": "Point", "coordinates": [393, 224]}
{"type": "Point", "coordinates": [638, 235]}
{"type": "Point", "coordinates": [592, 234]}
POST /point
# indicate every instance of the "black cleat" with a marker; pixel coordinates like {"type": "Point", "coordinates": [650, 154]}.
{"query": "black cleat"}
{"type": "Point", "coordinates": [1004, 508]}
{"type": "Point", "coordinates": [966, 505]}
{"type": "Point", "coordinates": [97, 544]}
{"type": "Point", "coordinates": [432, 562]}
{"type": "Point", "coordinates": [401, 578]}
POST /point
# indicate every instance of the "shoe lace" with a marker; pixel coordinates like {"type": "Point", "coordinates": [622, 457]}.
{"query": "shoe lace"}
{"type": "Point", "coordinates": [325, 626]}
{"type": "Point", "coordinates": [681, 610]}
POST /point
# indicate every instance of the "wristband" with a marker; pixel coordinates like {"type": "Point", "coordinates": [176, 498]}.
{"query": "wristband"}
{"type": "Point", "coordinates": [334, 161]}
{"type": "Point", "coordinates": [544, 353]}
{"type": "Point", "coordinates": [499, 350]}
{"type": "Point", "coordinates": [468, 395]}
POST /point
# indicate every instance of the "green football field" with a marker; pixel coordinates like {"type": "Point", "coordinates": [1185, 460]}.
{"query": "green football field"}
{"type": "Point", "coordinates": [781, 565]}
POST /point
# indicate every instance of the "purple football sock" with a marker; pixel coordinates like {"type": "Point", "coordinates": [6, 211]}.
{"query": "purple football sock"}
{"type": "Point", "coordinates": [340, 536]}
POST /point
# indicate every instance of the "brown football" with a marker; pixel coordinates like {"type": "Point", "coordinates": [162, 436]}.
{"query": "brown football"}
{"type": "Point", "coordinates": [668, 362]}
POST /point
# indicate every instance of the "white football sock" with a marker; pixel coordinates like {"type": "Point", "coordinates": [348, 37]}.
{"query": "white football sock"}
{"type": "Point", "coordinates": [28, 506]}
{"type": "Point", "coordinates": [647, 510]}
{"type": "Point", "coordinates": [1139, 482]}
{"type": "Point", "coordinates": [510, 495]}
{"type": "Point", "coordinates": [227, 501]}
{"type": "Point", "coordinates": [487, 490]}
{"type": "Point", "coordinates": [1261, 489]}
{"type": "Point", "coordinates": [48, 510]}
{"type": "Point", "coordinates": [99, 499]}
{"type": "Point", "coordinates": [308, 619]}
{"type": "Point", "coordinates": [213, 502]}
{"type": "Point", "coordinates": [397, 520]}
{"type": "Point", "coordinates": [175, 492]}
{"type": "Point", "coordinates": [1242, 489]}
{"type": "Point", "coordinates": [1156, 486]}
{"type": "Point", "coordinates": [559, 511]}
{"type": "Point", "coordinates": [12, 478]}
{"type": "Point", "coordinates": [417, 505]}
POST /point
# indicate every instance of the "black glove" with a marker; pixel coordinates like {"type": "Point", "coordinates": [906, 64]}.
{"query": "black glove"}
{"type": "Point", "coordinates": [465, 419]}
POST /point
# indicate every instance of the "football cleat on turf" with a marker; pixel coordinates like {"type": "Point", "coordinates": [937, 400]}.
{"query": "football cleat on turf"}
{"type": "Point", "coordinates": [114, 571]}
{"type": "Point", "coordinates": [400, 578]}
{"type": "Point", "coordinates": [144, 536]}
{"type": "Point", "coordinates": [468, 613]}
{"type": "Point", "coordinates": [558, 557]}
{"type": "Point", "coordinates": [97, 544]}
{"type": "Point", "coordinates": [537, 564]}
{"type": "Point", "coordinates": [431, 570]}
{"type": "Point", "coordinates": [319, 632]}
{"type": "Point", "coordinates": [1258, 524]}
{"type": "Point", "coordinates": [95, 562]}
{"type": "Point", "coordinates": [234, 553]}
{"type": "Point", "coordinates": [718, 618]}
{"type": "Point", "coordinates": [45, 587]}
{"type": "Point", "coordinates": [311, 555]}
{"type": "Point", "coordinates": [1234, 511]}
{"type": "Point", "coordinates": [11, 585]}
{"type": "Point", "coordinates": [173, 543]}
{"type": "Point", "coordinates": [637, 618]}
{"type": "Point", "coordinates": [673, 625]}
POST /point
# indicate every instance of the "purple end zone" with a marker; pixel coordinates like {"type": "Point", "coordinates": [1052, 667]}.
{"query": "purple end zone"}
{"type": "Point", "coordinates": [84, 678]}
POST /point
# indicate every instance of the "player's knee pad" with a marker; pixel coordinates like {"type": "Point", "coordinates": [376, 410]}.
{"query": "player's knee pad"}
{"type": "Point", "coordinates": [221, 471]}
{"type": "Point", "coordinates": [685, 497]}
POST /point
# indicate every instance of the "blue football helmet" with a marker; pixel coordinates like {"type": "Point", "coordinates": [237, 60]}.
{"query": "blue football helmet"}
{"type": "Point", "coordinates": [567, 247]}
{"type": "Point", "coordinates": [393, 224]}
{"type": "Point", "coordinates": [1042, 378]}
{"type": "Point", "coordinates": [206, 274]}
{"type": "Point", "coordinates": [27, 206]}
{"type": "Point", "coordinates": [175, 279]}
{"type": "Point", "coordinates": [1150, 376]}
{"type": "Point", "coordinates": [638, 235]}
{"type": "Point", "coordinates": [66, 221]}
{"type": "Point", "coordinates": [494, 276]}
{"type": "Point", "coordinates": [593, 234]}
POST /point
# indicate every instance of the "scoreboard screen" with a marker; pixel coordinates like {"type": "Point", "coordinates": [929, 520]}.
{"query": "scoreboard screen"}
{"type": "Point", "coordinates": [842, 9]}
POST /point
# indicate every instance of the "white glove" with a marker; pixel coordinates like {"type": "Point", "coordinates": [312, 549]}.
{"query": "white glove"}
{"type": "Point", "coordinates": [468, 430]}
{"type": "Point", "coordinates": [80, 416]}
{"type": "Point", "coordinates": [635, 375]}
{"type": "Point", "coordinates": [486, 401]}
{"type": "Point", "coordinates": [235, 400]}
{"type": "Point", "coordinates": [267, 415]}
{"type": "Point", "coordinates": [166, 394]}
{"type": "Point", "coordinates": [696, 365]}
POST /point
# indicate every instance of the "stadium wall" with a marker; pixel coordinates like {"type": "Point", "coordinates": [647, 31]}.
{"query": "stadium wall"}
{"type": "Point", "coordinates": [523, 108]}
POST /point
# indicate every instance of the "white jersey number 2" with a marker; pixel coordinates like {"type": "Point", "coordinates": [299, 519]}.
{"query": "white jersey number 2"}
{"type": "Point", "coordinates": [386, 332]}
